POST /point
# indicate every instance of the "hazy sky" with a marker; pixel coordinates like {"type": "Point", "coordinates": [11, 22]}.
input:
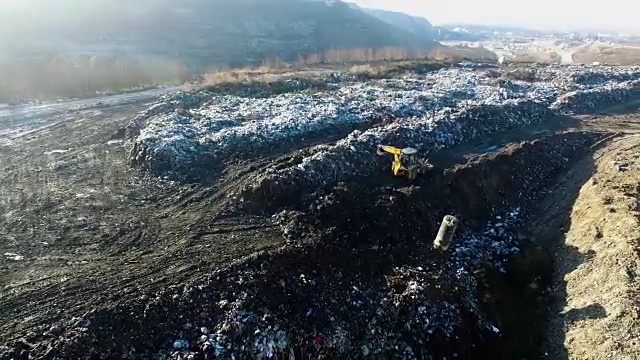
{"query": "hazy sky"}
{"type": "Point", "coordinates": [620, 15]}
{"type": "Point", "coordinates": [541, 14]}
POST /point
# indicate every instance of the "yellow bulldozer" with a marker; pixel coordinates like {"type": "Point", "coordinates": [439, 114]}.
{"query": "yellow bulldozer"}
{"type": "Point", "coordinates": [405, 161]}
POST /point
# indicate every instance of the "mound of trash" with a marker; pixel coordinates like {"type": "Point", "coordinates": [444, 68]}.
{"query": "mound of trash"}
{"type": "Point", "coordinates": [400, 313]}
{"type": "Point", "coordinates": [599, 75]}
{"type": "Point", "coordinates": [177, 131]}
{"type": "Point", "coordinates": [581, 77]}
{"type": "Point", "coordinates": [182, 135]}
{"type": "Point", "coordinates": [404, 299]}
{"type": "Point", "coordinates": [354, 157]}
{"type": "Point", "coordinates": [166, 104]}
{"type": "Point", "coordinates": [584, 101]}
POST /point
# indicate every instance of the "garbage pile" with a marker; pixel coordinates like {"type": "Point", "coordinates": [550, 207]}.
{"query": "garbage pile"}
{"type": "Point", "coordinates": [423, 303]}
{"type": "Point", "coordinates": [177, 131]}
{"type": "Point", "coordinates": [257, 88]}
{"type": "Point", "coordinates": [584, 101]}
{"type": "Point", "coordinates": [354, 156]}
{"type": "Point", "coordinates": [593, 76]}
{"type": "Point", "coordinates": [166, 104]}
{"type": "Point", "coordinates": [399, 313]}
{"type": "Point", "coordinates": [576, 77]}
{"type": "Point", "coordinates": [182, 131]}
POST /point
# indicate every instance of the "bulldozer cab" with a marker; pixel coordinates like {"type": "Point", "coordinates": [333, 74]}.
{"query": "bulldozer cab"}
{"type": "Point", "coordinates": [408, 157]}
{"type": "Point", "coordinates": [405, 161]}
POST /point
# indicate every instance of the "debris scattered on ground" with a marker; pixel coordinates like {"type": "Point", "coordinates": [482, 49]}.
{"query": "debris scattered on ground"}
{"type": "Point", "coordinates": [315, 296]}
{"type": "Point", "coordinates": [14, 257]}
{"type": "Point", "coordinates": [115, 142]}
{"type": "Point", "coordinates": [58, 151]}
{"type": "Point", "coordinates": [431, 297]}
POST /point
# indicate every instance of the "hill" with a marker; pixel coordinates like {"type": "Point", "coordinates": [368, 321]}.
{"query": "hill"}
{"type": "Point", "coordinates": [414, 24]}
{"type": "Point", "coordinates": [417, 25]}
{"type": "Point", "coordinates": [198, 33]}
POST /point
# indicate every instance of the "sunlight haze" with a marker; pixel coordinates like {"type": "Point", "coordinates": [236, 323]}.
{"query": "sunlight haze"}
{"type": "Point", "coordinates": [620, 15]}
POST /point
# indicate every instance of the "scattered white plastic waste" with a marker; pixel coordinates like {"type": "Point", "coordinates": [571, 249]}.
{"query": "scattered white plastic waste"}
{"type": "Point", "coordinates": [57, 151]}
{"type": "Point", "coordinates": [13, 256]}
{"type": "Point", "coordinates": [180, 344]}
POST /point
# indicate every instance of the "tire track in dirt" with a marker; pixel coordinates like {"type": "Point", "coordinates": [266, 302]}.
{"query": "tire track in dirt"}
{"type": "Point", "coordinates": [134, 232]}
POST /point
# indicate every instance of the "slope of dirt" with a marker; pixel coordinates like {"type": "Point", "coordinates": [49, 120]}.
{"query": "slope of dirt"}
{"type": "Point", "coordinates": [591, 223]}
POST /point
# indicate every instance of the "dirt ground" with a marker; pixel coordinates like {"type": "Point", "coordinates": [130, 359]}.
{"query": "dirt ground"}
{"type": "Point", "coordinates": [612, 54]}
{"type": "Point", "coordinates": [82, 232]}
{"type": "Point", "coordinates": [591, 223]}
{"type": "Point", "coordinates": [90, 228]}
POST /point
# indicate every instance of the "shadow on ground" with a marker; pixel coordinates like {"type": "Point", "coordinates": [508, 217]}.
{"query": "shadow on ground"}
{"type": "Point", "coordinates": [589, 312]}
{"type": "Point", "coordinates": [625, 108]}
{"type": "Point", "coordinates": [498, 141]}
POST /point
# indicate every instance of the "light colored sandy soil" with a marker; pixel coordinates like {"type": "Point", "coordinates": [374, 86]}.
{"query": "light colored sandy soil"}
{"type": "Point", "coordinates": [592, 222]}
{"type": "Point", "coordinates": [613, 54]}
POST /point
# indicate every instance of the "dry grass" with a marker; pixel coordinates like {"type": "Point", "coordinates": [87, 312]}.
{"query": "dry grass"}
{"type": "Point", "coordinates": [64, 77]}
{"type": "Point", "coordinates": [365, 69]}
{"type": "Point", "coordinates": [608, 54]}
{"type": "Point", "coordinates": [363, 63]}
{"type": "Point", "coordinates": [396, 68]}
{"type": "Point", "coordinates": [459, 53]}
{"type": "Point", "coordinates": [360, 55]}
{"type": "Point", "coordinates": [541, 57]}
{"type": "Point", "coordinates": [220, 76]}
{"type": "Point", "coordinates": [375, 70]}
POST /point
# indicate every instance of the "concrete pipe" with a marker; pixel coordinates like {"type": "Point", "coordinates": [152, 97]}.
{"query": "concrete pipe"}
{"type": "Point", "coordinates": [446, 232]}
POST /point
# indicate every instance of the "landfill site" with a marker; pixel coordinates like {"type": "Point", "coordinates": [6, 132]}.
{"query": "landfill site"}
{"type": "Point", "coordinates": [268, 224]}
